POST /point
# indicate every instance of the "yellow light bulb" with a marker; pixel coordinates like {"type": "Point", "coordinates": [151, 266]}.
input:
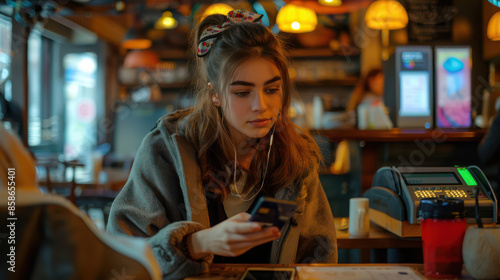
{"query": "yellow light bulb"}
{"type": "Point", "coordinates": [296, 19]}
{"type": "Point", "coordinates": [168, 21]}
{"type": "Point", "coordinates": [333, 3]}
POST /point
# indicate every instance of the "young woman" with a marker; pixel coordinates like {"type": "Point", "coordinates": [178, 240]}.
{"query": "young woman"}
{"type": "Point", "coordinates": [200, 170]}
{"type": "Point", "coordinates": [369, 89]}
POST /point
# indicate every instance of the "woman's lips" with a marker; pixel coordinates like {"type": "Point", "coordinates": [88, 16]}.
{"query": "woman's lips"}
{"type": "Point", "coordinates": [259, 122]}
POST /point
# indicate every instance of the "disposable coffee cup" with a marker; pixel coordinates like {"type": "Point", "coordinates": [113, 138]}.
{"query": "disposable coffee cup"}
{"type": "Point", "coordinates": [443, 229]}
{"type": "Point", "coordinates": [359, 219]}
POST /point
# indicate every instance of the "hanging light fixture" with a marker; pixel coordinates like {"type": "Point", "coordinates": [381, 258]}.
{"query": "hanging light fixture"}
{"type": "Point", "coordinates": [296, 19]}
{"type": "Point", "coordinates": [141, 59]}
{"type": "Point", "coordinates": [386, 15]}
{"type": "Point", "coordinates": [166, 21]}
{"type": "Point", "coordinates": [493, 30]}
{"type": "Point", "coordinates": [136, 37]}
{"type": "Point", "coordinates": [217, 8]}
{"type": "Point", "coordinates": [333, 3]}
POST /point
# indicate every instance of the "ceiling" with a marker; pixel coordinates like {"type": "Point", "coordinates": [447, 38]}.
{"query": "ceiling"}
{"type": "Point", "coordinates": [110, 19]}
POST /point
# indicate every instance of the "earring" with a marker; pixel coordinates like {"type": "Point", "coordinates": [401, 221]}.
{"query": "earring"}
{"type": "Point", "coordinates": [215, 100]}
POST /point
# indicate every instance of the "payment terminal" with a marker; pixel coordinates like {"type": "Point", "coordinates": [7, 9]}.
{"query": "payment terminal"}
{"type": "Point", "coordinates": [396, 193]}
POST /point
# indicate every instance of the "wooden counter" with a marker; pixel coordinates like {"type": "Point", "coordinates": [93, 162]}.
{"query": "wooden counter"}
{"type": "Point", "coordinates": [375, 140]}
{"type": "Point", "coordinates": [403, 135]}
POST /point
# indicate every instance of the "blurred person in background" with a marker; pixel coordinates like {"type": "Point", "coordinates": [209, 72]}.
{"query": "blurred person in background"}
{"type": "Point", "coordinates": [367, 101]}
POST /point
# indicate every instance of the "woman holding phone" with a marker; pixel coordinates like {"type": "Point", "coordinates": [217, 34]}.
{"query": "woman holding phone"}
{"type": "Point", "coordinates": [200, 170]}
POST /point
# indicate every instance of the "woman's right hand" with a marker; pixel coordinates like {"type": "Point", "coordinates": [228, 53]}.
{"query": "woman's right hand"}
{"type": "Point", "coordinates": [230, 238]}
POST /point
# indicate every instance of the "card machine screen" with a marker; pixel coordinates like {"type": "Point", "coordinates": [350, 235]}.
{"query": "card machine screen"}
{"type": "Point", "coordinates": [431, 178]}
{"type": "Point", "coordinates": [440, 184]}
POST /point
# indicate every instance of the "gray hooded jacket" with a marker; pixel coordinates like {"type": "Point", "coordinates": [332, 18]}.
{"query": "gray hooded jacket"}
{"type": "Point", "coordinates": [163, 201]}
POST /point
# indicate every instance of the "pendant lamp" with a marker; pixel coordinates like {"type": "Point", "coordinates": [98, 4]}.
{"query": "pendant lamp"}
{"type": "Point", "coordinates": [141, 59]}
{"type": "Point", "coordinates": [386, 15]}
{"type": "Point", "coordinates": [166, 21]}
{"type": "Point", "coordinates": [333, 3]}
{"type": "Point", "coordinates": [217, 8]}
{"type": "Point", "coordinates": [493, 30]}
{"type": "Point", "coordinates": [136, 37]}
{"type": "Point", "coordinates": [296, 19]}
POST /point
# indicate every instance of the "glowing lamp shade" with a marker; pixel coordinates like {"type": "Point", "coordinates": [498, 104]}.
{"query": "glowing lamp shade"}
{"type": "Point", "coordinates": [166, 21]}
{"type": "Point", "coordinates": [334, 3]}
{"type": "Point", "coordinates": [296, 19]}
{"type": "Point", "coordinates": [136, 39]}
{"type": "Point", "coordinates": [386, 14]}
{"type": "Point", "coordinates": [493, 30]}
{"type": "Point", "coordinates": [141, 59]}
{"type": "Point", "coordinates": [217, 8]}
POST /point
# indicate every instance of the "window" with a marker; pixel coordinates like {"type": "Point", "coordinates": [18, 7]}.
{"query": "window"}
{"type": "Point", "coordinates": [5, 50]}
{"type": "Point", "coordinates": [43, 124]}
{"type": "Point", "coordinates": [34, 89]}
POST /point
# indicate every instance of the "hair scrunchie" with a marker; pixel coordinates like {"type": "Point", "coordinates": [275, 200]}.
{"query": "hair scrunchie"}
{"type": "Point", "coordinates": [210, 35]}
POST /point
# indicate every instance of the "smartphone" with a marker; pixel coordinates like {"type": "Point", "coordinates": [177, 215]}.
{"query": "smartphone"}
{"type": "Point", "coordinates": [265, 273]}
{"type": "Point", "coordinates": [273, 212]}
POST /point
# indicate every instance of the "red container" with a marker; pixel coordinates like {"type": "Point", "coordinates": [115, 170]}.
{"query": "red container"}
{"type": "Point", "coordinates": [443, 230]}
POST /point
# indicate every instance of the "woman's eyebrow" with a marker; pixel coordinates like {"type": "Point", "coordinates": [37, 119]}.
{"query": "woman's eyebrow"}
{"type": "Point", "coordinates": [277, 78]}
{"type": "Point", "coordinates": [243, 83]}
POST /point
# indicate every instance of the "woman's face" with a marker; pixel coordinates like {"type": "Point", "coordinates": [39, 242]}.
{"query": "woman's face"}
{"type": "Point", "coordinates": [254, 99]}
{"type": "Point", "coordinates": [377, 84]}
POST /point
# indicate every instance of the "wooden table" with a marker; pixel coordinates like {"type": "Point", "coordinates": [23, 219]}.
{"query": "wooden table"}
{"type": "Point", "coordinates": [378, 238]}
{"type": "Point", "coordinates": [373, 138]}
{"type": "Point", "coordinates": [234, 271]}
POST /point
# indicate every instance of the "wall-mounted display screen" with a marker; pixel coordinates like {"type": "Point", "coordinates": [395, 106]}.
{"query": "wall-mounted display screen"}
{"type": "Point", "coordinates": [414, 86]}
{"type": "Point", "coordinates": [453, 86]}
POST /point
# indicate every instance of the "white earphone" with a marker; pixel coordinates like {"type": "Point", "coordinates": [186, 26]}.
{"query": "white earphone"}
{"type": "Point", "coordinates": [265, 171]}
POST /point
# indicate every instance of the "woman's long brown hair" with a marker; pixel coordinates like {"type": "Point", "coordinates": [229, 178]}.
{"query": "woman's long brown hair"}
{"type": "Point", "coordinates": [294, 152]}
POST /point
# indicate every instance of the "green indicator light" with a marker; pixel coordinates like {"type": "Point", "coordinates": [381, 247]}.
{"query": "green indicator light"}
{"type": "Point", "coordinates": [467, 176]}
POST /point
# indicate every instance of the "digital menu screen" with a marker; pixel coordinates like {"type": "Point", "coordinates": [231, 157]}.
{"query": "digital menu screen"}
{"type": "Point", "coordinates": [414, 85]}
{"type": "Point", "coordinates": [453, 87]}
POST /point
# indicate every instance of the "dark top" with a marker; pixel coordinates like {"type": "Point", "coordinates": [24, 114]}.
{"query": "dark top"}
{"type": "Point", "coordinates": [258, 254]}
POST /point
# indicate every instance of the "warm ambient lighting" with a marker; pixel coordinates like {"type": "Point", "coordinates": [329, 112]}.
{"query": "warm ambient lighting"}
{"type": "Point", "coordinates": [295, 19]}
{"type": "Point", "coordinates": [493, 31]}
{"type": "Point", "coordinates": [166, 21]}
{"type": "Point", "coordinates": [386, 15]}
{"type": "Point", "coordinates": [217, 8]}
{"type": "Point", "coordinates": [141, 59]}
{"type": "Point", "coordinates": [333, 3]}
{"type": "Point", "coordinates": [136, 37]}
{"type": "Point", "coordinates": [136, 43]}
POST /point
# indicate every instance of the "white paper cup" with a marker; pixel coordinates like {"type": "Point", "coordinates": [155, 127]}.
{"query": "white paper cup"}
{"type": "Point", "coordinates": [359, 218]}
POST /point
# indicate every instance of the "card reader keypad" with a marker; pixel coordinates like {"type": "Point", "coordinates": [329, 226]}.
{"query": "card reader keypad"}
{"type": "Point", "coordinates": [440, 192]}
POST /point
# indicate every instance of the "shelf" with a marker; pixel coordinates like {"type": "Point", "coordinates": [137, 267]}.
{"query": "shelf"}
{"type": "Point", "coordinates": [142, 104]}
{"type": "Point", "coordinates": [177, 85]}
{"type": "Point", "coordinates": [404, 135]}
{"type": "Point", "coordinates": [323, 52]}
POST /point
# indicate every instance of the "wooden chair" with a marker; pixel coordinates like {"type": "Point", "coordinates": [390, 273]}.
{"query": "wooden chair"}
{"type": "Point", "coordinates": [61, 186]}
